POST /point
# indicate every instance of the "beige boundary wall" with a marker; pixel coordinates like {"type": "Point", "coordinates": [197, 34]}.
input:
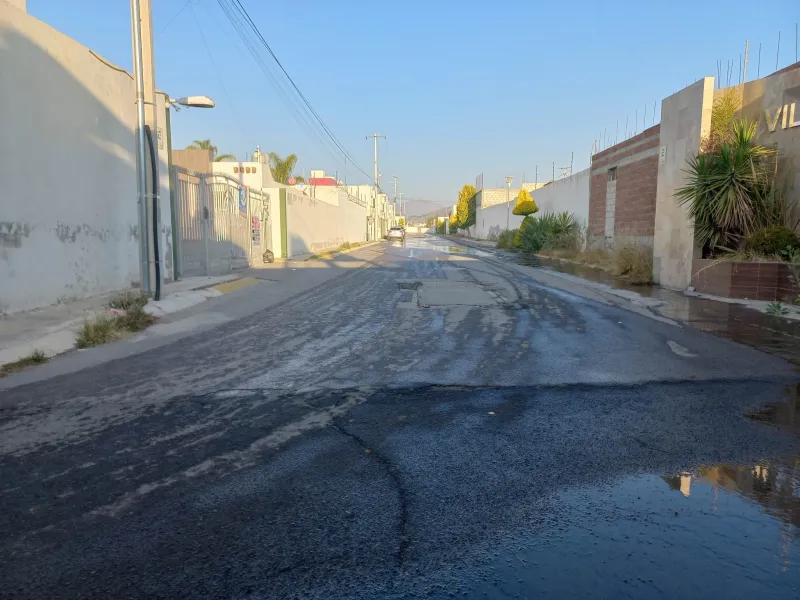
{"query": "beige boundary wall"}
{"type": "Point", "coordinates": [69, 225]}
{"type": "Point", "coordinates": [570, 194]}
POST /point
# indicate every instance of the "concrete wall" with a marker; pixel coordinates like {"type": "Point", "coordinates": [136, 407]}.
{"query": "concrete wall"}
{"type": "Point", "coordinates": [570, 194]}
{"type": "Point", "coordinates": [776, 95]}
{"type": "Point", "coordinates": [623, 202]}
{"type": "Point", "coordinates": [685, 119]}
{"type": "Point", "coordinates": [199, 161]}
{"type": "Point", "coordinates": [20, 4]}
{"type": "Point", "coordinates": [313, 224]}
{"type": "Point", "coordinates": [69, 224]}
{"type": "Point", "coordinates": [489, 222]}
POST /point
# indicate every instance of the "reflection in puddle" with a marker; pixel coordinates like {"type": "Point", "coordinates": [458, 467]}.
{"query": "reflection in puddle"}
{"type": "Point", "coordinates": [777, 336]}
{"type": "Point", "coordinates": [785, 415]}
{"type": "Point", "coordinates": [716, 532]}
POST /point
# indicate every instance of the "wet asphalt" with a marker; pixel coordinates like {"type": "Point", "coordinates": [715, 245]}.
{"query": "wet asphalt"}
{"type": "Point", "coordinates": [437, 424]}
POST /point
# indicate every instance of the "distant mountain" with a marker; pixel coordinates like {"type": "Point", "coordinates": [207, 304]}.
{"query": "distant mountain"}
{"type": "Point", "coordinates": [422, 209]}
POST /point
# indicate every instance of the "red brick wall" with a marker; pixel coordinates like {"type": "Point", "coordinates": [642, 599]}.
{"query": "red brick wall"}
{"type": "Point", "coordinates": [636, 197]}
{"type": "Point", "coordinates": [636, 160]}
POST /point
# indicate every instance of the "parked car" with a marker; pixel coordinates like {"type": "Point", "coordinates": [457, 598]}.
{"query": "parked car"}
{"type": "Point", "coordinates": [396, 233]}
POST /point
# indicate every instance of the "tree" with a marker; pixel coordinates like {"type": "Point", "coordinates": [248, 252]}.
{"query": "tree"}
{"type": "Point", "coordinates": [401, 222]}
{"type": "Point", "coordinates": [525, 204]}
{"type": "Point", "coordinates": [282, 168]}
{"type": "Point", "coordinates": [207, 145]}
{"type": "Point", "coordinates": [464, 216]}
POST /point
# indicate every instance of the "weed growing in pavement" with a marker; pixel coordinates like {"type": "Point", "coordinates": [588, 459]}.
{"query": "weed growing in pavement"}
{"type": "Point", "coordinates": [36, 357]}
{"type": "Point", "coordinates": [129, 300]}
{"type": "Point", "coordinates": [776, 309]}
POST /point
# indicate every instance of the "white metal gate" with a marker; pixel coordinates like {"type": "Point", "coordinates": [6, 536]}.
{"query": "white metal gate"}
{"type": "Point", "coordinates": [221, 224]}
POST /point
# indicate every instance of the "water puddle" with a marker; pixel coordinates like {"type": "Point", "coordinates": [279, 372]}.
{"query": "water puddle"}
{"type": "Point", "coordinates": [727, 531]}
{"type": "Point", "coordinates": [785, 415]}
{"type": "Point", "coordinates": [775, 335]}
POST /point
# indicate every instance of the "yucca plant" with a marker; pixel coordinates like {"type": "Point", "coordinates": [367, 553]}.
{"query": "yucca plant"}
{"type": "Point", "coordinates": [731, 191]}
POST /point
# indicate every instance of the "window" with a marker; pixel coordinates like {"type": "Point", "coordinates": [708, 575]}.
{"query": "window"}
{"type": "Point", "coordinates": [612, 174]}
{"type": "Point", "coordinates": [235, 169]}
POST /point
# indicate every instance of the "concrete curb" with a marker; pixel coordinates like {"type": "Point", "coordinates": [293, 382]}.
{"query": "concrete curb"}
{"type": "Point", "coordinates": [60, 337]}
{"type": "Point", "coordinates": [335, 253]}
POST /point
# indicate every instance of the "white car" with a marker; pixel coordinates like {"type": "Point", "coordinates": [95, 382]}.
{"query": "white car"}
{"type": "Point", "coordinates": [396, 233]}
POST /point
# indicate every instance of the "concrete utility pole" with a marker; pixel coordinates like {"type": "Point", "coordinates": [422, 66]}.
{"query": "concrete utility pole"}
{"type": "Point", "coordinates": [375, 137]}
{"type": "Point", "coordinates": [509, 179]}
{"type": "Point", "coordinates": [394, 198]}
{"type": "Point", "coordinates": [146, 135]}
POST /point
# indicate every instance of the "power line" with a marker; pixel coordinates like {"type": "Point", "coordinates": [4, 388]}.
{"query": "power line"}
{"type": "Point", "coordinates": [237, 6]}
{"type": "Point", "coordinates": [175, 16]}
{"type": "Point", "coordinates": [301, 118]}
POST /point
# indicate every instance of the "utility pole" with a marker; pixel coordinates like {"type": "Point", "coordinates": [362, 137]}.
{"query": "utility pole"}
{"type": "Point", "coordinates": [375, 137]}
{"type": "Point", "coordinates": [147, 137]}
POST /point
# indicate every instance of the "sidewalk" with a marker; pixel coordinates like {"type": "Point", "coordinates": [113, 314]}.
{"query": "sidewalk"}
{"type": "Point", "coordinates": [52, 330]}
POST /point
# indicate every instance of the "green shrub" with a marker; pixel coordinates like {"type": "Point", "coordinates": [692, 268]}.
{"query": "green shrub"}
{"type": "Point", "coordinates": [525, 204]}
{"type": "Point", "coordinates": [505, 241]}
{"type": "Point", "coordinates": [772, 240]}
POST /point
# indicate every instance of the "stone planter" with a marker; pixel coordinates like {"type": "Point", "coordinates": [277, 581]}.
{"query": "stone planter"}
{"type": "Point", "coordinates": [747, 280]}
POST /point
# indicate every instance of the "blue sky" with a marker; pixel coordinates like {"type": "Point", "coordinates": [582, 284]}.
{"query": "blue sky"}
{"type": "Point", "coordinates": [458, 88]}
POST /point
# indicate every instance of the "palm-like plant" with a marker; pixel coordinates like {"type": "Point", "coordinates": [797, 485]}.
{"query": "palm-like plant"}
{"type": "Point", "coordinates": [203, 145]}
{"type": "Point", "coordinates": [207, 145]}
{"type": "Point", "coordinates": [282, 168]}
{"type": "Point", "coordinates": [731, 191]}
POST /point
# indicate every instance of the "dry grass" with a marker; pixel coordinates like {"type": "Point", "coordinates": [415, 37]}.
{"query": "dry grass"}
{"type": "Point", "coordinates": [100, 330]}
{"type": "Point", "coordinates": [129, 300]}
{"type": "Point", "coordinates": [110, 328]}
{"type": "Point", "coordinates": [37, 357]}
{"type": "Point", "coordinates": [634, 261]}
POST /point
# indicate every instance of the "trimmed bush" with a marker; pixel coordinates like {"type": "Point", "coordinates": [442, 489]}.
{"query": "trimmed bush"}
{"type": "Point", "coordinates": [525, 204]}
{"type": "Point", "coordinates": [772, 240]}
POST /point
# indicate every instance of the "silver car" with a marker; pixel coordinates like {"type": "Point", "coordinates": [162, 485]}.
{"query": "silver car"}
{"type": "Point", "coordinates": [396, 233]}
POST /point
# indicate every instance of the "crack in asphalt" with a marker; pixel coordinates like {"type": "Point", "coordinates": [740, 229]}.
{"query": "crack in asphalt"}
{"type": "Point", "coordinates": [402, 495]}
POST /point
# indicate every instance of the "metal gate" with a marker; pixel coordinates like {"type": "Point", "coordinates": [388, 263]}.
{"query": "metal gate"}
{"type": "Point", "coordinates": [221, 224]}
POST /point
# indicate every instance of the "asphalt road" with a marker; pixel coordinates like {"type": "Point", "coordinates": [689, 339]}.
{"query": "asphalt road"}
{"type": "Point", "coordinates": [433, 424]}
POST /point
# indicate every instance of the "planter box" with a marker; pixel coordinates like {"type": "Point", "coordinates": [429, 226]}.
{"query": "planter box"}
{"type": "Point", "coordinates": [747, 280]}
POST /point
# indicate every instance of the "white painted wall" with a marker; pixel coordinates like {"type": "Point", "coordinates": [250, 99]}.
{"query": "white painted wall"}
{"type": "Point", "coordinates": [489, 222]}
{"type": "Point", "coordinates": [68, 208]}
{"type": "Point", "coordinates": [314, 225]}
{"type": "Point", "coordinates": [570, 194]}
{"type": "Point", "coordinates": [685, 119]}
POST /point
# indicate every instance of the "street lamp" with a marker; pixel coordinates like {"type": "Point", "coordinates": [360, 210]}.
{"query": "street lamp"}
{"type": "Point", "coordinates": [509, 179]}
{"type": "Point", "coordinates": [192, 102]}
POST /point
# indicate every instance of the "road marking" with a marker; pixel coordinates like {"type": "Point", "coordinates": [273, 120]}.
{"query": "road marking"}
{"type": "Point", "coordinates": [236, 284]}
{"type": "Point", "coordinates": [680, 350]}
{"type": "Point", "coordinates": [411, 253]}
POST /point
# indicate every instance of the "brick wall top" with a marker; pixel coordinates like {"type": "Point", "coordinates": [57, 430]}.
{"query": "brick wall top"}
{"type": "Point", "coordinates": [641, 140]}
